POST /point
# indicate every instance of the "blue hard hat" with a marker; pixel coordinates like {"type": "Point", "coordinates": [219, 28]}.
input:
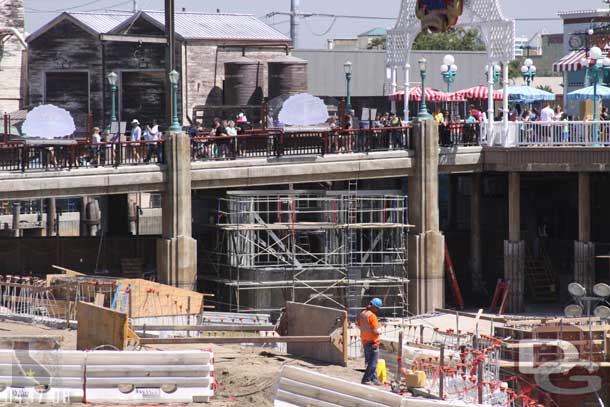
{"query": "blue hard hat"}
{"type": "Point", "coordinates": [377, 303]}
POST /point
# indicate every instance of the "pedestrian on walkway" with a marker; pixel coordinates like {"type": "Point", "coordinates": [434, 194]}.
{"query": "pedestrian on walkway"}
{"type": "Point", "coordinates": [370, 334]}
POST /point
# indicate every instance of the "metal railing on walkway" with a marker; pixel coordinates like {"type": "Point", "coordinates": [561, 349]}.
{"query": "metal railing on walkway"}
{"type": "Point", "coordinates": [551, 134]}
{"type": "Point", "coordinates": [20, 156]}
{"type": "Point", "coordinates": [280, 143]}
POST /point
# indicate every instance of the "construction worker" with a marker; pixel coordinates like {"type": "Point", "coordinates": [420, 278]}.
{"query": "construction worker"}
{"type": "Point", "coordinates": [370, 333]}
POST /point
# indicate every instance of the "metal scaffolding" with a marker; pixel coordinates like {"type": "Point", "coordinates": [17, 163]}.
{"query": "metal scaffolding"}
{"type": "Point", "coordinates": [332, 248]}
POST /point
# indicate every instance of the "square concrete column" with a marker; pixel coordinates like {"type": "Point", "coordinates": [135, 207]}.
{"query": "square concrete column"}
{"type": "Point", "coordinates": [476, 267]}
{"type": "Point", "coordinates": [584, 249]}
{"type": "Point", "coordinates": [425, 242]}
{"type": "Point", "coordinates": [514, 247]}
{"type": "Point", "coordinates": [177, 250]}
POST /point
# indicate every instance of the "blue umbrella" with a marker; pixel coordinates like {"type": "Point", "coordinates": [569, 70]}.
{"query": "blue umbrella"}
{"type": "Point", "coordinates": [603, 92]}
{"type": "Point", "coordinates": [527, 94]}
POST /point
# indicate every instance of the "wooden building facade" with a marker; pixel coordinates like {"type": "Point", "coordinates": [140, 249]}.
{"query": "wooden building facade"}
{"type": "Point", "coordinates": [71, 57]}
{"type": "Point", "coordinates": [13, 56]}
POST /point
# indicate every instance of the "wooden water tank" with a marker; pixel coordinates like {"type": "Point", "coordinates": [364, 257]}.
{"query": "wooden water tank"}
{"type": "Point", "coordinates": [287, 76]}
{"type": "Point", "coordinates": [243, 82]}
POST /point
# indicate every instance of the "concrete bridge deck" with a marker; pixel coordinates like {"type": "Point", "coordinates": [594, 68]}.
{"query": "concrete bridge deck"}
{"type": "Point", "coordinates": [238, 173]}
{"type": "Point", "coordinates": [249, 172]}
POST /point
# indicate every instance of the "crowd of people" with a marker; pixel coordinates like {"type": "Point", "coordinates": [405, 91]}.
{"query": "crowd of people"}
{"type": "Point", "coordinates": [218, 143]}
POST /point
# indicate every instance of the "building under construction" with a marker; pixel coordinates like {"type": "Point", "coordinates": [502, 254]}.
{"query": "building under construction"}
{"type": "Point", "coordinates": [333, 248]}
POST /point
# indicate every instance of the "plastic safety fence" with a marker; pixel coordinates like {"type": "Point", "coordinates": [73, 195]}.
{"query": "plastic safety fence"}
{"type": "Point", "coordinates": [302, 388]}
{"type": "Point", "coordinates": [60, 377]}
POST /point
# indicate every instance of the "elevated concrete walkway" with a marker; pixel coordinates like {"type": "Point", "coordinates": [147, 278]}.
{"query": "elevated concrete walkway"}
{"type": "Point", "coordinates": [230, 173]}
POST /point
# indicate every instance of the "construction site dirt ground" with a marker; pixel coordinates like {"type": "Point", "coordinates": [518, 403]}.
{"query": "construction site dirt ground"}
{"type": "Point", "coordinates": [246, 375]}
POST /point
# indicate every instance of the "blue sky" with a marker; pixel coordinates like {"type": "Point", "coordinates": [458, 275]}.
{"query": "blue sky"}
{"type": "Point", "coordinates": [40, 11]}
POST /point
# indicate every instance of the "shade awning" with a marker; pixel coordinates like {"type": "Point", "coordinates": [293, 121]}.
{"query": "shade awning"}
{"type": "Point", "coordinates": [479, 92]}
{"type": "Point", "coordinates": [598, 92]}
{"type": "Point", "coordinates": [570, 62]}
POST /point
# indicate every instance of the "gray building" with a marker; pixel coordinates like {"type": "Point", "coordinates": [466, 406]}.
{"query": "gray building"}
{"type": "Point", "coordinates": [327, 78]}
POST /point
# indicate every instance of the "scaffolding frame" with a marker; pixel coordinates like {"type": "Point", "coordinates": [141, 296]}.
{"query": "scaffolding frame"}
{"type": "Point", "coordinates": [333, 248]}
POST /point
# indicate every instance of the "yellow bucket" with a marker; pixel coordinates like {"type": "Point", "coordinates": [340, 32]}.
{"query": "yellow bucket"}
{"type": "Point", "coordinates": [382, 372]}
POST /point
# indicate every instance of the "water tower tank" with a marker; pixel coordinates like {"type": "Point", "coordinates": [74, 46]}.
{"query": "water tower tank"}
{"type": "Point", "coordinates": [287, 76]}
{"type": "Point", "coordinates": [243, 79]}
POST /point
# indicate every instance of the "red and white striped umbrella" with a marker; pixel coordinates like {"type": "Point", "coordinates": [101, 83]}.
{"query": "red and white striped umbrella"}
{"type": "Point", "coordinates": [479, 92]}
{"type": "Point", "coordinates": [415, 95]}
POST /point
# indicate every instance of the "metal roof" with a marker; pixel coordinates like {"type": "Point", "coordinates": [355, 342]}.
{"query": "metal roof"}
{"type": "Point", "coordinates": [101, 23]}
{"type": "Point", "coordinates": [219, 26]}
{"type": "Point", "coordinates": [189, 25]}
{"type": "Point", "coordinates": [375, 32]}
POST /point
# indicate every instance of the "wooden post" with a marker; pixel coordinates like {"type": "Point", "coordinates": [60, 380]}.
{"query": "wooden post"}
{"type": "Point", "coordinates": [480, 382]}
{"type": "Point", "coordinates": [421, 334]}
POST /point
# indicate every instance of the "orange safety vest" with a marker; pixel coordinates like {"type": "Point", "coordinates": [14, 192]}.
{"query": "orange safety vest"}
{"type": "Point", "coordinates": [367, 322]}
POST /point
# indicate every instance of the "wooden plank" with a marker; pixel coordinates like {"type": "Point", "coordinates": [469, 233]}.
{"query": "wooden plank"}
{"type": "Point", "coordinates": [234, 340]}
{"type": "Point", "coordinates": [144, 39]}
{"type": "Point", "coordinates": [155, 299]}
{"type": "Point", "coordinates": [98, 326]}
{"type": "Point", "coordinates": [205, 328]}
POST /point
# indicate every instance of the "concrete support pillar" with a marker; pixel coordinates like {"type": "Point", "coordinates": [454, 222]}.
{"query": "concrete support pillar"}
{"type": "Point", "coordinates": [177, 250]}
{"type": "Point", "coordinates": [514, 207]}
{"type": "Point", "coordinates": [426, 243]}
{"type": "Point", "coordinates": [94, 217]}
{"type": "Point", "coordinates": [584, 249]}
{"type": "Point", "coordinates": [476, 267]}
{"type": "Point", "coordinates": [16, 219]}
{"type": "Point", "coordinates": [84, 228]}
{"type": "Point", "coordinates": [514, 247]}
{"type": "Point", "coordinates": [132, 214]}
{"type": "Point", "coordinates": [51, 217]}
{"type": "Point", "coordinates": [584, 207]}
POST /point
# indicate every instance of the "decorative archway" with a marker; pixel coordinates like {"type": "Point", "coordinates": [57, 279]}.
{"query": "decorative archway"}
{"type": "Point", "coordinates": [497, 32]}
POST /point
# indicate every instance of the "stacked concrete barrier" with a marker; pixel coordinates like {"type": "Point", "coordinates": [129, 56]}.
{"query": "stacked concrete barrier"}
{"type": "Point", "coordinates": [155, 377]}
{"type": "Point", "coordinates": [61, 377]}
{"type": "Point", "coordinates": [54, 377]}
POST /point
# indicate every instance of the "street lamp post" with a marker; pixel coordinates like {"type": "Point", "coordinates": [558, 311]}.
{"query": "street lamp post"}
{"type": "Point", "coordinates": [112, 80]}
{"type": "Point", "coordinates": [596, 66]}
{"type": "Point", "coordinates": [528, 71]}
{"type": "Point", "coordinates": [423, 109]}
{"type": "Point", "coordinates": [496, 75]}
{"type": "Point", "coordinates": [449, 71]}
{"type": "Point", "coordinates": [174, 78]}
{"type": "Point", "coordinates": [347, 68]}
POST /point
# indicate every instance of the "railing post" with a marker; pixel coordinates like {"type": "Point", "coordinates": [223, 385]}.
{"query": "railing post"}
{"type": "Point", "coordinates": [324, 143]}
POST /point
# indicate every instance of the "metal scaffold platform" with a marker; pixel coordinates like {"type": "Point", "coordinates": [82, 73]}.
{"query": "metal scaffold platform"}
{"type": "Point", "coordinates": [331, 248]}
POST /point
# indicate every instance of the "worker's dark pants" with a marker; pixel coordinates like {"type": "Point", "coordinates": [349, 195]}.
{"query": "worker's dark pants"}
{"type": "Point", "coordinates": [371, 355]}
